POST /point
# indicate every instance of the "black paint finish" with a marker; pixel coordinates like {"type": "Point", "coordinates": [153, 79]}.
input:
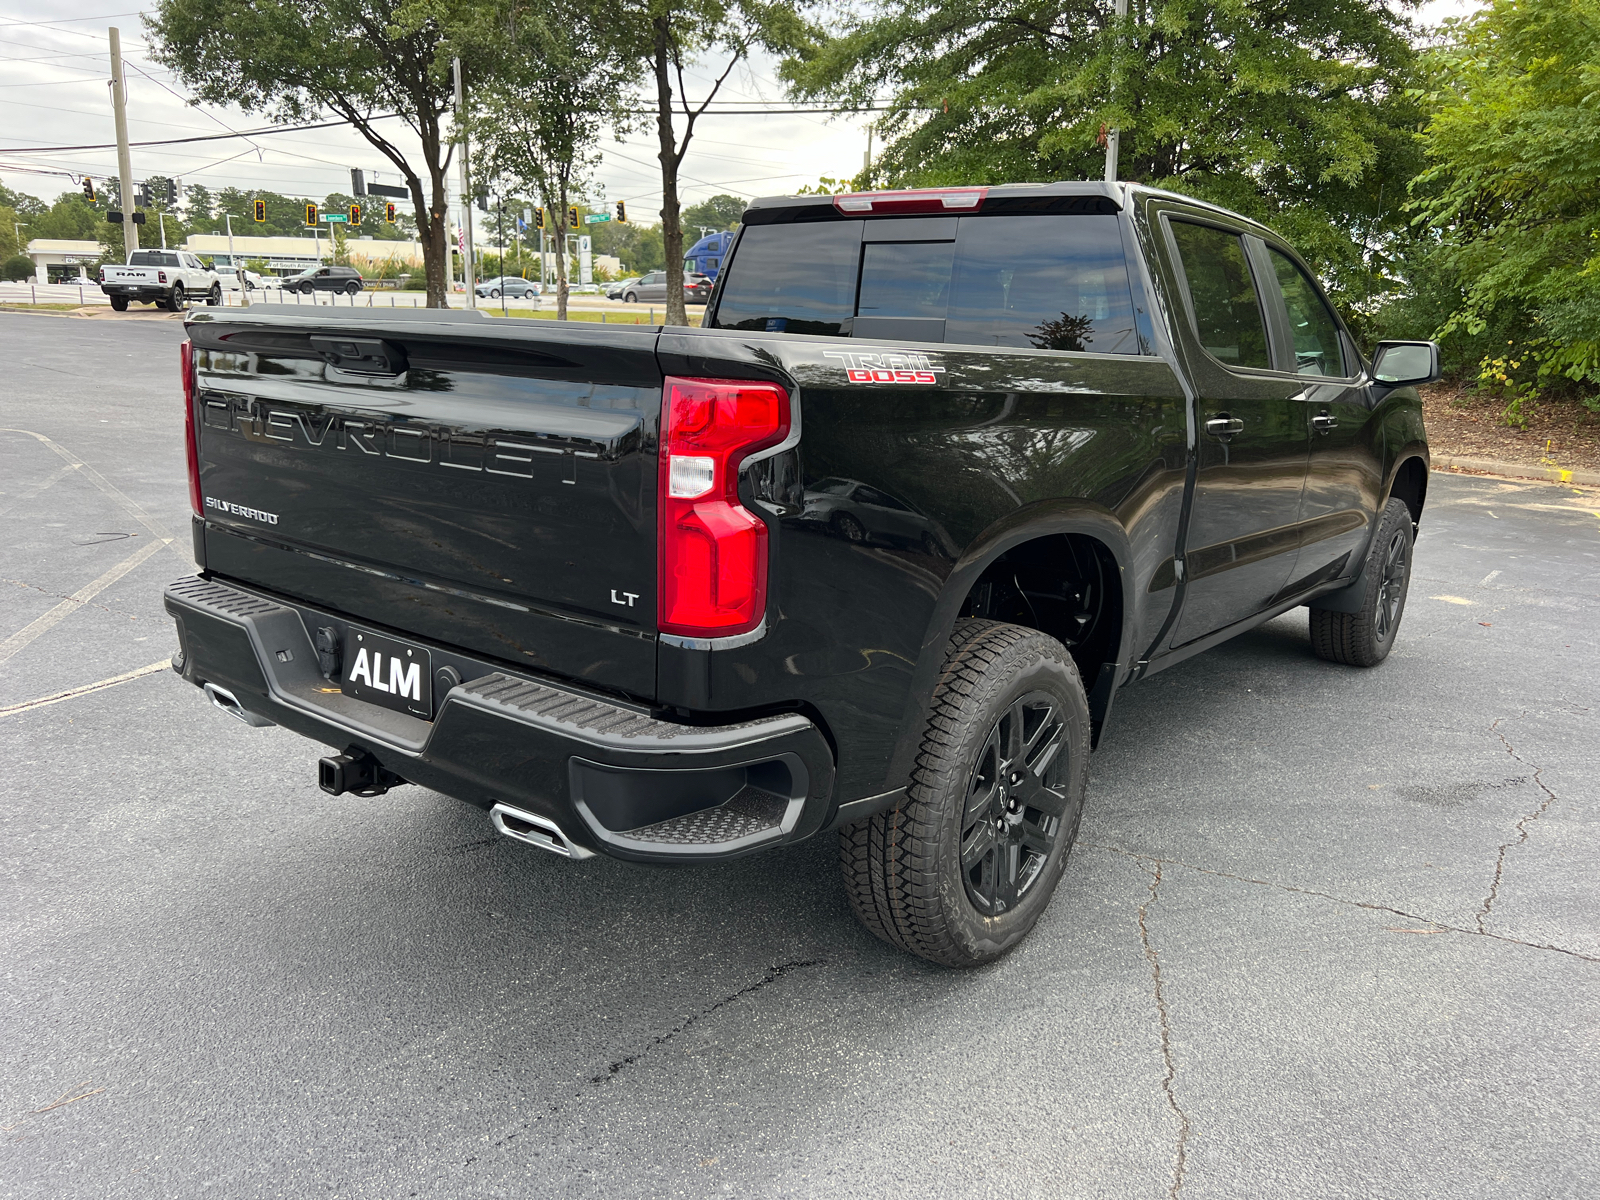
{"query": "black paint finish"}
{"type": "Point", "coordinates": [495, 491]}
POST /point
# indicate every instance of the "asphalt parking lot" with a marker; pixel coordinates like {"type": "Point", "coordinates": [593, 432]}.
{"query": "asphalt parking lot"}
{"type": "Point", "coordinates": [1327, 933]}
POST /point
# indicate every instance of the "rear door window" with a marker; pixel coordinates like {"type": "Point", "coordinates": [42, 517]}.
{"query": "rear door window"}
{"type": "Point", "coordinates": [1313, 328]}
{"type": "Point", "coordinates": [1227, 308]}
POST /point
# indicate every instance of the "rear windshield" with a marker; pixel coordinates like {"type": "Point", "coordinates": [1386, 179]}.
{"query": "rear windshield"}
{"type": "Point", "coordinates": [1046, 282]}
{"type": "Point", "coordinates": [153, 258]}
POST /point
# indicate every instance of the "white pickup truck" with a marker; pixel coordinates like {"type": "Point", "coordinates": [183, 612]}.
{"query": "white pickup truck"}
{"type": "Point", "coordinates": [166, 278]}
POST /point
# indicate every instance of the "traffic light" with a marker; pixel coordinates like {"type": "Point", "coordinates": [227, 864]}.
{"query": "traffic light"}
{"type": "Point", "coordinates": [388, 213]}
{"type": "Point", "coordinates": [88, 189]}
{"type": "Point", "coordinates": [355, 214]}
{"type": "Point", "coordinates": [572, 217]}
{"type": "Point", "coordinates": [538, 219]}
{"type": "Point", "coordinates": [311, 214]}
{"type": "Point", "coordinates": [622, 212]}
{"type": "Point", "coordinates": [260, 213]}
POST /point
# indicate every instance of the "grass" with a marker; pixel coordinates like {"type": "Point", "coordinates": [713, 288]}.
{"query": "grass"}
{"type": "Point", "coordinates": [38, 307]}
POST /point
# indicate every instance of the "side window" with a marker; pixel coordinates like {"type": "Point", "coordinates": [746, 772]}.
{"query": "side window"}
{"type": "Point", "coordinates": [1317, 348]}
{"type": "Point", "coordinates": [1227, 309]}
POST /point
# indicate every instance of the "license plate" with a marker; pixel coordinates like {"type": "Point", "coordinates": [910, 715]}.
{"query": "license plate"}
{"type": "Point", "coordinates": [393, 674]}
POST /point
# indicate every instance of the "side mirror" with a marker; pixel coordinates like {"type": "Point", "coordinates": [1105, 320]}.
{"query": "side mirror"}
{"type": "Point", "coordinates": [1406, 364]}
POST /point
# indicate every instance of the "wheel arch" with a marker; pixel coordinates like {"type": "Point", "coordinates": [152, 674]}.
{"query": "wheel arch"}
{"type": "Point", "coordinates": [1029, 536]}
{"type": "Point", "coordinates": [1408, 481]}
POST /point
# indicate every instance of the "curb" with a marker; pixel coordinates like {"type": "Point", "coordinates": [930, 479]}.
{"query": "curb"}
{"type": "Point", "coordinates": [1488, 466]}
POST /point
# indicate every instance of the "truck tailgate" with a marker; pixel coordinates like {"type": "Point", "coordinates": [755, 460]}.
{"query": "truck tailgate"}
{"type": "Point", "coordinates": [488, 485]}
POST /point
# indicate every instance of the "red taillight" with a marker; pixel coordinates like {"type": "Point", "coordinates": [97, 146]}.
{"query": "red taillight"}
{"type": "Point", "coordinates": [161, 276]}
{"type": "Point", "coordinates": [713, 566]}
{"type": "Point", "coordinates": [186, 358]}
{"type": "Point", "coordinates": [913, 200]}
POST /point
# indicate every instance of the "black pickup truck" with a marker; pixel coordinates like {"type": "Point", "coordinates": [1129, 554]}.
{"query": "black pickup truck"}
{"type": "Point", "coordinates": [871, 552]}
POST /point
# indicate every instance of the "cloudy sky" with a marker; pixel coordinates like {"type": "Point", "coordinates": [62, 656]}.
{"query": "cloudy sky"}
{"type": "Point", "coordinates": [53, 92]}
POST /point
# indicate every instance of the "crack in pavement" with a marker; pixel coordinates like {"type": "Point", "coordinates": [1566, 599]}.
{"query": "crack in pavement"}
{"type": "Point", "coordinates": [772, 976]}
{"type": "Point", "coordinates": [34, 587]}
{"type": "Point", "coordinates": [1521, 827]}
{"type": "Point", "coordinates": [1167, 1058]}
{"type": "Point", "coordinates": [1441, 926]}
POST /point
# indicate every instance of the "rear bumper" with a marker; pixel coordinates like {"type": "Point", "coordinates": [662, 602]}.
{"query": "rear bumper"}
{"type": "Point", "coordinates": [135, 291]}
{"type": "Point", "coordinates": [613, 778]}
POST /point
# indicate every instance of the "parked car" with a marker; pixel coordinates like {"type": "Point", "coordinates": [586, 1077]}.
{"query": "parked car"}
{"type": "Point", "coordinates": [574, 575]}
{"type": "Point", "coordinates": [859, 512]}
{"type": "Point", "coordinates": [166, 278]}
{"type": "Point", "coordinates": [325, 279]}
{"type": "Point", "coordinates": [615, 291]}
{"type": "Point", "coordinates": [510, 286]}
{"type": "Point", "coordinates": [653, 287]}
{"type": "Point", "coordinates": [230, 280]}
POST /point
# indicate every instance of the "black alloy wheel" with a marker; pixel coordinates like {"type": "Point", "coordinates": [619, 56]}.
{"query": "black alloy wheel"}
{"type": "Point", "coordinates": [353, 286]}
{"type": "Point", "coordinates": [1363, 638]}
{"type": "Point", "coordinates": [964, 865]}
{"type": "Point", "coordinates": [177, 299]}
{"type": "Point", "coordinates": [214, 296]}
{"type": "Point", "coordinates": [1015, 804]}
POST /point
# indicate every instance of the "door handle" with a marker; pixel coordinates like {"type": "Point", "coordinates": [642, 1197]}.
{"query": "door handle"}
{"type": "Point", "coordinates": [1224, 426]}
{"type": "Point", "coordinates": [1324, 422]}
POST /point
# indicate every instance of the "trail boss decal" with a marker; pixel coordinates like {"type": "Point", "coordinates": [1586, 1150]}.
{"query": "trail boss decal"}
{"type": "Point", "coordinates": [887, 366]}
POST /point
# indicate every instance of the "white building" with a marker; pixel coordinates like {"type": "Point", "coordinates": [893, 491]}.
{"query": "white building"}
{"type": "Point", "coordinates": [63, 260]}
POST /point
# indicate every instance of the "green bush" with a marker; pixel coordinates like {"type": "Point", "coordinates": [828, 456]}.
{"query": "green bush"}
{"type": "Point", "coordinates": [18, 266]}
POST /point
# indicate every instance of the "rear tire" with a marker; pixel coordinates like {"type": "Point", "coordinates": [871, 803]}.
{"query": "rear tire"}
{"type": "Point", "coordinates": [119, 304]}
{"type": "Point", "coordinates": [176, 299]}
{"type": "Point", "coordinates": [962, 869]}
{"type": "Point", "coordinates": [352, 287]}
{"type": "Point", "coordinates": [1364, 638]}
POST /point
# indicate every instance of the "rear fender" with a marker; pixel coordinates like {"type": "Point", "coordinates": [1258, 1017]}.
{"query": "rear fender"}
{"type": "Point", "coordinates": [1024, 525]}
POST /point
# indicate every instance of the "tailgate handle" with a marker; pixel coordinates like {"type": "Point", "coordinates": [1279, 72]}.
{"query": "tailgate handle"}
{"type": "Point", "coordinates": [360, 356]}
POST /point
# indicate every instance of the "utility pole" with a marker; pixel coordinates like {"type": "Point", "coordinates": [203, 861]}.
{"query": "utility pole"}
{"type": "Point", "coordinates": [1114, 135]}
{"type": "Point", "coordinates": [119, 108]}
{"type": "Point", "coordinates": [161, 218]}
{"type": "Point", "coordinates": [233, 263]}
{"type": "Point", "coordinates": [466, 183]}
{"type": "Point", "coordinates": [866, 161]}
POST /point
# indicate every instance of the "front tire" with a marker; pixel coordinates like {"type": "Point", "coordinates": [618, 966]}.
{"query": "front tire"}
{"type": "Point", "coordinates": [631, 298]}
{"type": "Point", "coordinates": [214, 296]}
{"type": "Point", "coordinates": [962, 869]}
{"type": "Point", "coordinates": [850, 529]}
{"type": "Point", "coordinates": [1364, 638]}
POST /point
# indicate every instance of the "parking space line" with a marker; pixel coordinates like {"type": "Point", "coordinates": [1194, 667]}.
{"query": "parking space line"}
{"type": "Point", "coordinates": [8, 710]}
{"type": "Point", "coordinates": [24, 636]}
{"type": "Point", "coordinates": [127, 504]}
{"type": "Point", "coordinates": [28, 493]}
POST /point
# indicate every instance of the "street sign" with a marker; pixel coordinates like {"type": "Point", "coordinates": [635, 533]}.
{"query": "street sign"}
{"type": "Point", "coordinates": [596, 218]}
{"type": "Point", "coordinates": [336, 219]}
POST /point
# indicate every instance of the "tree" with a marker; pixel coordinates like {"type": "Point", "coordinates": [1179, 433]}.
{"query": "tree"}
{"type": "Point", "coordinates": [639, 247]}
{"type": "Point", "coordinates": [359, 59]}
{"type": "Point", "coordinates": [1512, 190]}
{"type": "Point", "coordinates": [1291, 111]}
{"type": "Point", "coordinates": [199, 203]}
{"type": "Point", "coordinates": [719, 213]}
{"type": "Point", "coordinates": [562, 73]}
{"type": "Point", "coordinates": [10, 242]}
{"type": "Point", "coordinates": [17, 267]}
{"type": "Point", "coordinates": [667, 32]}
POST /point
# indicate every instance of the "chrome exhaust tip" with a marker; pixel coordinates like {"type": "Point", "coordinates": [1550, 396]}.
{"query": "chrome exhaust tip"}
{"type": "Point", "coordinates": [229, 703]}
{"type": "Point", "coordinates": [535, 831]}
